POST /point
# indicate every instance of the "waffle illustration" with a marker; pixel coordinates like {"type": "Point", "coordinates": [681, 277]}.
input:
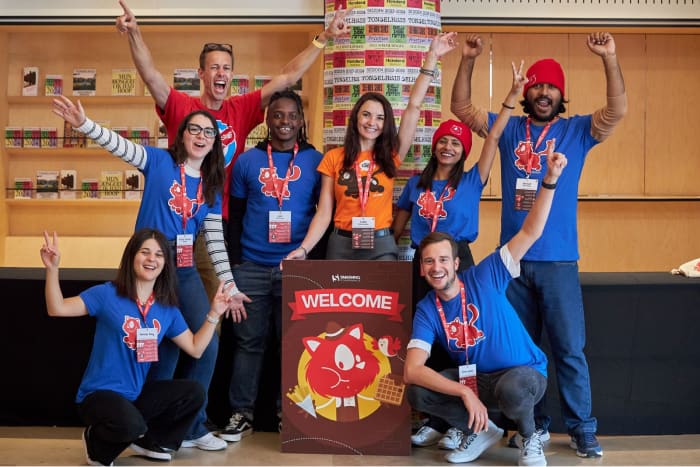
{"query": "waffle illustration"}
{"type": "Point", "coordinates": [390, 389]}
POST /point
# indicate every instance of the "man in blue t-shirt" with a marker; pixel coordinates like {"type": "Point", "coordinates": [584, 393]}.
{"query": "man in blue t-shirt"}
{"type": "Point", "coordinates": [547, 295]}
{"type": "Point", "coordinates": [468, 313]}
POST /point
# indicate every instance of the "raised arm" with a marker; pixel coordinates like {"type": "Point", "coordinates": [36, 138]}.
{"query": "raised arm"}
{"type": "Point", "coordinates": [56, 305]}
{"type": "Point", "coordinates": [141, 56]}
{"type": "Point", "coordinates": [461, 105]}
{"type": "Point", "coordinates": [605, 119]}
{"type": "Point", "coordinates": [537, 217]}
{"type": "Point", "coordinates": [295, 69]}
{"type": "Point", "coordinates": [441, 44]}
{"type": "Point", "coordinates": [488, 151]}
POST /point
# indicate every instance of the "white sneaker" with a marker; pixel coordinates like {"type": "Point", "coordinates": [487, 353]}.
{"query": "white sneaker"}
{"type": "Point", "coordinates": [208, 442]}
{"type": "Point", "coordinates": [425, 436]}
{"type": "Point", "coordinates": [516, 441]}
{"type": "Point", "coordinates": [451, 439]}
{"type": "Point", "coordinates": [472, 446]}
{"type": "Point", "coordinates": [532, 452]}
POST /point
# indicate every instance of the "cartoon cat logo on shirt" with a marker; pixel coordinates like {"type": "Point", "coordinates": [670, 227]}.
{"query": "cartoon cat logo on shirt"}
{"type": "Point", "coordinates": [271, 183]}
{"type": "Point", "coordinates": [455, 330]}
{"type": "Point", "coordinates": [522, 156]}
{"type": "Point", "coordinates": [228, 141]}
{"type": "Point", "coordinates": [428, 205]}
{"type": "Point", "coordinates": [130, 326]}
{"type": "Point", "coordinates": [179, 203]}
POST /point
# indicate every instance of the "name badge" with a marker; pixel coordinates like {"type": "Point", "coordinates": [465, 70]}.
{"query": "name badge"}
{"type": "Point", "coordinates": [525, 191]}
{"type": "Point", "coordinates": [280, 227]}
{"type": "Point", "coordinates": [146, 345]}
{"type": "Point", "coordinates": [185, 250]}
{"type": "Point", "coordinates": [363, 233]}
{"type": "Point", "coordinates": [467, 377]}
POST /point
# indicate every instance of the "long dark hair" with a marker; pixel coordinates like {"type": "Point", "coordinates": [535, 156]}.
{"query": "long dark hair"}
{"type": "Point", "coordinates": [165, 286]}
{"type": "Point", "coordinates": [289, 94]}
{"type": "Point", "coordinates": [386, 144]}
{"type": "Point", "coordinates": [213, 164]}
{"type": "Point", "coordinates": [456, 172]}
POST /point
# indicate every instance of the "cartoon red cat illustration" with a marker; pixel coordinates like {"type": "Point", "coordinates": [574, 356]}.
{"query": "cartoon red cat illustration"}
{"type": "Point", "coordinates": [130, 326]}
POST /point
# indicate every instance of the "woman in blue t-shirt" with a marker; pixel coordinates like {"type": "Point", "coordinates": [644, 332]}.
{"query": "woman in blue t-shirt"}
{"type": "Point", "coordinates": [134, 312]}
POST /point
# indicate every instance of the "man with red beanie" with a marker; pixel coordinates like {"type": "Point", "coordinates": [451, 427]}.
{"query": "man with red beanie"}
{"type": "Point", "coordinates": [547, 295]}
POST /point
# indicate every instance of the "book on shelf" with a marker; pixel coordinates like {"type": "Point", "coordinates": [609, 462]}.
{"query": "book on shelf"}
{"type": "Point", "coordinates": [240, 84]}
{"type": "Point", "coordinates": [140, 135]}
{"type": "Point", "coordinates": [121, 131]}
{"type": "Point", "coordinates": [133, 184]}
{"type": "Point", "coordinates": [53, 85]}
{"type": "Point", "coordinates": [49, 137]}
{"type": "Point", "coordinates": [111, 184]}
{"type": "Point", "coordinates": [24, 188]}
{"type": "Point", "coordinates": [90, 143]}
{"type": "Point", "coordinates": [89, 188]}
{"type": "Point", "coordinates": [161, 132]}
{"type": "Point", "coordinates": [32, 137]}
{"type": "Point", "coordinates": [261, 80]}
{"type": "Point", "coordinates": [30, 81]}
{"type": "Point", "coordinates": [72, 138]}
{"type": "Point", "coordinates": [67, 184]}
{"type": "Point", "coordinates": [124, 82]}
{"type": "Point", "coordinates": [47, 184]}
{"type": "Point", "coordinates": [84, 81]}
{"type": "Point", "coordinates": [13, 137]}
{"type": "Point", "coordinates": [186, 80]}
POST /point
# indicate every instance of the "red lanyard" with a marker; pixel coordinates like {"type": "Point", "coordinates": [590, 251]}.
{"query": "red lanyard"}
{"type": "Point", "coordinates": [145, 308]}
{"type": "Point", "coordinates": [438, 304]}
{"type": "Point", "coordinates": [186, 212]}
{"type": "Point", "coordinates": [281, 190]}
{"type": "Point", "coordinates": [532, 151]}
{"type": "Point", "coordinates": [364, 193]}
{"type": "Point", "coordinates": [439, 204]}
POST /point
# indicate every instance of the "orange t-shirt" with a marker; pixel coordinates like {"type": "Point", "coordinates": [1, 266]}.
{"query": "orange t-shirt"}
{"type": "Point", "coordinates": [347, 199]}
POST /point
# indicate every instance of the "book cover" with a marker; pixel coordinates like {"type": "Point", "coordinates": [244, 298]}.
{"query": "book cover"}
{"type": "Point", "coordinates": [67, 184]}
{"type": "Point", "coordinates": [133, 184]}
{"type": "Point", "coordinates": [89, 188]}
{"type": "Point", "coordinates": [186, 80]}
{"type": "Point", "coordinates": [72, 138]}
{"type": "Point", "coordinates": [47, 184]}
{"type": "Point", "coordinates": [13, 137]}
{"type": "Point", "coordinates": [124, 82]}
{"type": "Point", "coordinates": [84, 81]}
{"type": "Point", "coordinates": [111, 184]}
{"type": "Point", "coordinates": [161, 132]}
{"type": "Point", "coordinates": [89, 143]}
{"type": "Point", "coordinates": [140, 135]}
{"type": "Point", "coordinates": [261, 80]}
{"type": "Point", "coordinates": [240, 84]}
{"type": "Point", "coordinates": [30, 81]}
{"type": "Point", "coordinates": [49, 137]}
{"type": "Point", "coordinates": [24, 188]}
{"type": "Point", "coordinates": [32, 137]}
{"type": "Point", "coordinates": [53, 85]}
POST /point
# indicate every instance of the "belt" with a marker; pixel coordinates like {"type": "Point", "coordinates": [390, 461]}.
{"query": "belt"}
{"type": "Point", "coordinates": [377, 233]}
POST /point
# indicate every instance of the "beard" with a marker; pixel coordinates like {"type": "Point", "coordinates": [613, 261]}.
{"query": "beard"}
{"type": "Point", "coordinates": [532, 110]}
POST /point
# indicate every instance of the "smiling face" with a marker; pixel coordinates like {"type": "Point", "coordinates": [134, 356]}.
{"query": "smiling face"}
{"type": "Point", "coordinates": [544, 100]}
{"type": "Point", "coordinates": [284, 120]}
{"type": "Point", "coordinates": [148, 261]}
{"type": "Point", "coordinates": [370, 123]}
{"type": "Point", "coordinates": [448, 151]}
{"type": "Point", "coordinates": [440, 268]}
{"type": "Point", "coordinates": [198, 146]}
{"type": "Point", "coordinates": [216, 78]}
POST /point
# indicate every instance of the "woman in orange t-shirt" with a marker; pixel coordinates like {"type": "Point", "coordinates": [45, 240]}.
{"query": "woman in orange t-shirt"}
{"type": "Point", "coordinates": [358, 178]}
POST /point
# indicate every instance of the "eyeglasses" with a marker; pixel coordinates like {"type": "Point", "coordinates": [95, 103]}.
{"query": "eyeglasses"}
{"type": "Point", "coordinates": [213, 46]}
{"type": "Point", "coordinates": [194, 130]}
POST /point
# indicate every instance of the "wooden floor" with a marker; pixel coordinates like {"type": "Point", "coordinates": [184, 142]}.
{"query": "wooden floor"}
{"type": "Point", "coordinates": [63, 446]}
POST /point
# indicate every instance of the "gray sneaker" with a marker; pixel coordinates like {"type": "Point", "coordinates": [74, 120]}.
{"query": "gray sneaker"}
{"type": "Point", "coordinates": [451, 439]}
{"type": "Point", "coordinates": [425, 436]}
{"type": "Point", "coordinates": [473, 445]}
{"type": "Point", "coordinates": [532, 452]}
{"type": "Point", "coordinates": [516, 441]}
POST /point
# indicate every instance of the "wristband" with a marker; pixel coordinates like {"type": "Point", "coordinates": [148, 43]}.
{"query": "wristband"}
{"type": "Point", "coordinates": [212, 320]}
{"type": "Point", "coordinates": [432, 73]}
{"type": "Point", "coordinates": [509, 107]}
{"type": "Point", "coordinates": [549, 186]}
{"type": "Point", "coordinates": [318, 44]}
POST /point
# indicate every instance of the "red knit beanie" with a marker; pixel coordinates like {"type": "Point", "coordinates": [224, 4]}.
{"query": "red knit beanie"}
{"type": "Point", "coordinates": [547, 71]}
{"type": "Point", "coordinates": [457, 129]}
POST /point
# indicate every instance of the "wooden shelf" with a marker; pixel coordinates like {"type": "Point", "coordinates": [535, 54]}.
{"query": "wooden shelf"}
{"type": "Point", "coordinates": [58, 152]}
{"type": "Point", "coordinates": [74, 203]}
{"type": "Point", "coordinates": [91, 100]}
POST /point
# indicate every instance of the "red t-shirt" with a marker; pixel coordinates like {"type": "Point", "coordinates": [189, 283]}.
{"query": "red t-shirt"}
{"type": "Point", "coordinates": [237, 117]}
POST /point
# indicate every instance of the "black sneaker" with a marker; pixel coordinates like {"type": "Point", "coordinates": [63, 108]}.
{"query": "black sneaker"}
{"type": "Point", "coordinates": [238, 426]}
{"type": "Point", "coordinates": [586, 445]}
{"type": "Point", "coordinates": [88, 459]}
{"type": "Point", "coordinates": [147, 448]}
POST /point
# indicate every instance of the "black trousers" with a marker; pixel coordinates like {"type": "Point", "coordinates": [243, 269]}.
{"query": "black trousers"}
{"type": "Point", "coordinates": [163, 412]}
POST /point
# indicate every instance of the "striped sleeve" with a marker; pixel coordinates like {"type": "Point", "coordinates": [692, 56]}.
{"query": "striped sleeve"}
{"type": "Point", "coordinates": [125, 149]}
{"type": "Point", "coordinates": [214, 237]}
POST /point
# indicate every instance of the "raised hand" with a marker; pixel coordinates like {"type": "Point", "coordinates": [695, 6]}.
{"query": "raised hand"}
{"type": "Point", "coordinates": [127, 21]}
{"type": "Point", "coordinates": [72, 113]}
{"type": "Point", "coordinates": [338, 26]}
{"type": "Point", "coordinates": [601, 43]}
{"type": "Point", "coordinates": [473, 46]}
{"type": "Point", "coordinates": [50, 255]}
{"type": "Point", "coordinates": [443, 43]}
{"type": "Point", "coordinates": [519, 78]}
{"type": "Point", "coordinates": [556, 161]}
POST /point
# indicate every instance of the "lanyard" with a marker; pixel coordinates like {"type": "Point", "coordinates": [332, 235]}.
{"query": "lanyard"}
{"type": "Point", "coordinates": [143, 309]}
{"type": "Point", "coordinates": [438, 304]}
{"type": "Point", "coordinates": [532, 151]}
{"type": "Point", "coordinates": [186, 212]}
{"type": "Point", "coordinates": [364, 192]}
{"type": "Point", "coordinates": [280, 190]}
{"type": "Point", "coordinates": [439, 204]}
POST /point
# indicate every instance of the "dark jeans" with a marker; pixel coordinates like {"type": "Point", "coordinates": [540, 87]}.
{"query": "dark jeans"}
{"type": "Point", "coordinates": [513, 391]}
{"type": "Point", "coordinates": [163, 412]}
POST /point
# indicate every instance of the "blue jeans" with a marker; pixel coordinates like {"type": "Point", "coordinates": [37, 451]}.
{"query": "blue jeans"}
{"type": "Point", "coordinates": [547, 295]}
{"type": "Point", "coordinates": [194, 305]}
{"type": "Point", "coordinates": [513, 391]}
{"type": "Point", "coordinates": [263, 285]}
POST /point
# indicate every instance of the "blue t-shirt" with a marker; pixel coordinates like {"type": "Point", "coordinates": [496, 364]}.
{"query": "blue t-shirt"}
{"type": "Point", "coordinates": [559, 241]}
{"type": "Point", "coordinates": [496, 337]}
{"type": "Point", "coordinates": [460, 213]}
{"type": "Point", "coordinates": [112, 365]}
{"type": "Point", "coordinates": [161, 204]}
{"type": "Point", "coordinates": [253, 180]}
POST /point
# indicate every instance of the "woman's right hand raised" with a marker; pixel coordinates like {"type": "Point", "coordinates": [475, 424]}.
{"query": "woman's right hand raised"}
{"type": "Point", "coordinates": [50, 255]}
{"type": "Point", "coordinates": [72, 113]}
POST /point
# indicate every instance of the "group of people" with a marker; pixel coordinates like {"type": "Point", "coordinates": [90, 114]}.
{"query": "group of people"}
{"type": "Point", "coordinates": [206, 196]}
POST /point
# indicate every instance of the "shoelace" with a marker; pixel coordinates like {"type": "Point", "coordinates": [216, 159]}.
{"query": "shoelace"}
{"type": "Point", "coordinates": [466, 440]}
{"type": "Point", "coordinates": [234, 420]}
{"type": "Point", "coordinates": [534, 442]}
{"type": "Point", "coordinates": [587, 440]}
